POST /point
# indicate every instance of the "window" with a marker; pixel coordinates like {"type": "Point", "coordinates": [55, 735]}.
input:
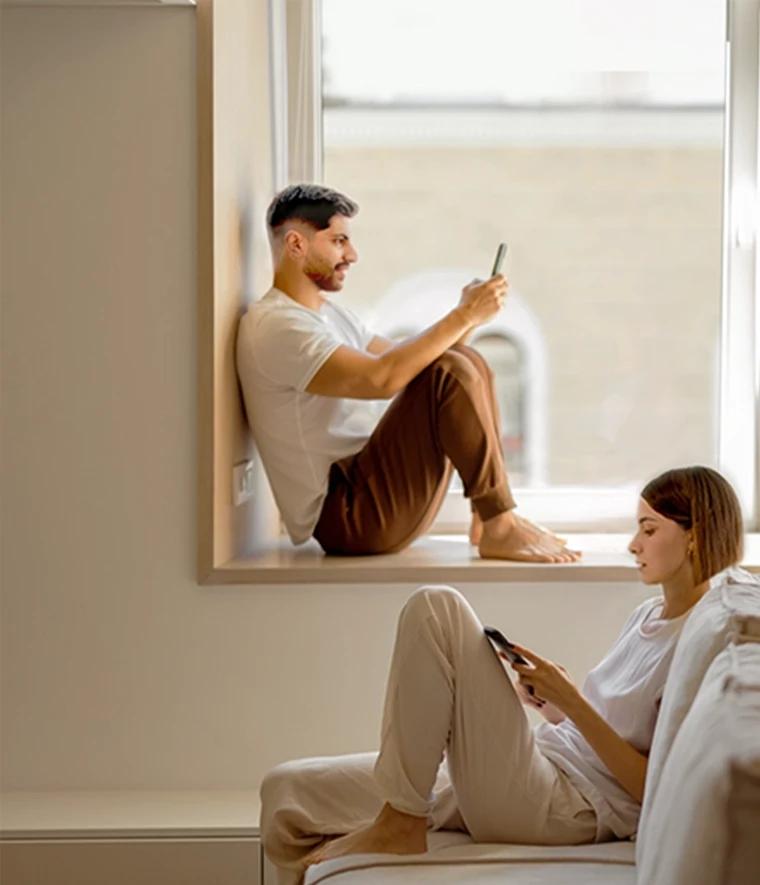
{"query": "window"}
{"type": "Point", "coordinates": [507, 361]}
{"type": "Point", "coordinates": [515, 349]}
{"type": "Point", "coordinates": [626, 183]}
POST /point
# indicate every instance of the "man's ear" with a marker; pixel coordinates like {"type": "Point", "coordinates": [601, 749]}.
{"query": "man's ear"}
{"type": "Point", "coordinates": [295, 243]}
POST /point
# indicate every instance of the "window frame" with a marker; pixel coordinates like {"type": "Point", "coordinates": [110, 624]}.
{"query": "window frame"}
{"type": "Point", "coordinates": [739, 453]}
{"type": "Point", "coordinates": [608, 508]}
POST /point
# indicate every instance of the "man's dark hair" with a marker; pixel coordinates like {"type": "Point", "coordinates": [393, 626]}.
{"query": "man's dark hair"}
{"type": "Point", "coordinates": [311, 203]}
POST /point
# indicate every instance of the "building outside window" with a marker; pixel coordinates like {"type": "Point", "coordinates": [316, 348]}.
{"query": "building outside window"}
{"type": "Point", "coordinates": [597, 154]}
{"type": "Point", "coordinates": [615, 148]}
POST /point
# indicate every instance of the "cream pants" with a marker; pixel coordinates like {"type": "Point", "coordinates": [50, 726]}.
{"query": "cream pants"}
{"type": "Point", "coordinates": [447, 695]}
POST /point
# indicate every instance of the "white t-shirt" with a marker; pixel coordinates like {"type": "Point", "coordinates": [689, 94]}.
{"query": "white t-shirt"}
{"type": "Point", "coordinates": [625, 689]}
{"type": "Point", "coordinates": [281, 345]}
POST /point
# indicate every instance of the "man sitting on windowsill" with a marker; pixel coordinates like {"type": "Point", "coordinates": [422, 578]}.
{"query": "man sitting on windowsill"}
{"type": "Point", "coordinates": [359, 485]}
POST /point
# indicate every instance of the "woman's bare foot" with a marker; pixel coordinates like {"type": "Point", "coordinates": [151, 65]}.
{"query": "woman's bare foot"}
{"type": "Point", "coordinates": [509, 536]}
{"type": "Point", "coordinates": [392, 832]}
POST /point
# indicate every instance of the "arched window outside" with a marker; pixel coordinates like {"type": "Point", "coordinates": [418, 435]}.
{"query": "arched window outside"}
{"type": "Point", "coordinates": [513, 346]}
{"type": "Point", "coordinates": [503, 354]}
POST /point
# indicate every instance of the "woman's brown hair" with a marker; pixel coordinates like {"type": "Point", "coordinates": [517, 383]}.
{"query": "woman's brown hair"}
{"type": "Point", "coordinates": [700, 499]}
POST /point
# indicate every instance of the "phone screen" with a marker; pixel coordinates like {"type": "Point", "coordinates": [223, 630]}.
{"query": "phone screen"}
{"type": "Point", "coordinates": [501, 254]}
{"type": "Point", "coordinates": [499, 643]}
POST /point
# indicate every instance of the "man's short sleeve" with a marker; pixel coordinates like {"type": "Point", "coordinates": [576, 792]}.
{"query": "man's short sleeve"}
{"type": "Point", "coordinates": [365, 333]}
{"type": "Point", "coordinates": [289, 347]}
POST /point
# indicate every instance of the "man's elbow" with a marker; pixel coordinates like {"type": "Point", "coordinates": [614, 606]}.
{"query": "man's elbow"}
{"type": "Point", "coordinates": [385, 383]}
{"type": "Point", "coordinates": [382, 391]}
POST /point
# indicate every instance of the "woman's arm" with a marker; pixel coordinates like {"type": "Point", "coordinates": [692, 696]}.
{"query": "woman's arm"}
{"type": "Point", "coordinates": [626, 764]}
{"type": "Point", "coordinates": [552, 683]}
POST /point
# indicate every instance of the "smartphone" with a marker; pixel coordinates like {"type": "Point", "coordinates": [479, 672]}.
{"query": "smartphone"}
{"type": "Point", "coordinates": [500, 644]}
{"type": "Point", "coordinates": [501, 254]}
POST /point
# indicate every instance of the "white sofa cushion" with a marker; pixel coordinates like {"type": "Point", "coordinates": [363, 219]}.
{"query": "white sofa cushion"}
{"type": "Point", "coordinates": [512, 873]}
{"type": "Point", "coordinates": [729, 609]}
{"type": "Point", "coordinates": [453, 859]}
{"type": "Point", "coordinates": [703, 826]}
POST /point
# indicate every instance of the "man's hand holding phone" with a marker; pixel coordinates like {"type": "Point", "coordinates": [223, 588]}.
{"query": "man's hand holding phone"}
{"type": "Point", "coordinates": [482, 300]}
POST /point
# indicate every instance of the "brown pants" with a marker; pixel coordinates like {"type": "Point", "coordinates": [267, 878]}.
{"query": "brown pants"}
{"type": "Point", "coordinates": [388, 494]}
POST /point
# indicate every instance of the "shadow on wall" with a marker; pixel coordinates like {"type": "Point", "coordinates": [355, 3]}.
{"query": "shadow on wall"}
{"type": "Point", "coordinates": [257, 520]}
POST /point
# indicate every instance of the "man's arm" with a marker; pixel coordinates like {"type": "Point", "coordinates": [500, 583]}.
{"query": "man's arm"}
{"type": "Point", "coordinates": [360, 375]}
{"type": "Point", "coordinates": [378, 345]}
{"type": "Point", "coordinates": [367, 375]}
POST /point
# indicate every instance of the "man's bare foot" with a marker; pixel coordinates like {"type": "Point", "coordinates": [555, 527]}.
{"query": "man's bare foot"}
{"type": "Point", "coordinates": [536, 529]}
{"type": "Point", "coordinates": [393, 832]}
{"type": "Point", "coordinates": [509, 536]}
{"type": "Point", "coordinates": [476, 529]}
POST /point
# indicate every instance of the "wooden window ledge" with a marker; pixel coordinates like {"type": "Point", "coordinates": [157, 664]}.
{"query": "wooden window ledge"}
{"type": "Point", "coordinates": [437, 559]}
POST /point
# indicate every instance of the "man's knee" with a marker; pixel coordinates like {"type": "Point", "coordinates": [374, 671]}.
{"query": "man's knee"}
{"type": "Point", "coordinates": [456, 363]}
{"type": "Point", "coordinates": [477, 359]}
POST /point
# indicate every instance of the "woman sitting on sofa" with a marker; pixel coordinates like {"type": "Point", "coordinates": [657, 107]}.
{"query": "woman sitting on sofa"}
{"type": "Point", "coordinates": [576, 778]}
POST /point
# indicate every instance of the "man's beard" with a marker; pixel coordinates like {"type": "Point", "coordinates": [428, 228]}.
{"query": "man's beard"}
{"type": "Point", "coordinates": [325, 277]}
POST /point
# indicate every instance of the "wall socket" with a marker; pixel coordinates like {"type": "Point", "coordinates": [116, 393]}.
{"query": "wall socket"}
{"type": "Point", "coordinates": [242, 482]}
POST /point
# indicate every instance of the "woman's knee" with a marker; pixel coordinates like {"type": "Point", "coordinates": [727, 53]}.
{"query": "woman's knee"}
{"type": "Point", "coordinates": [280, 779]}
{"type": "Point", "coordinates": [431, 599]}
{"type": "Point", "coordinates": [438, 611]}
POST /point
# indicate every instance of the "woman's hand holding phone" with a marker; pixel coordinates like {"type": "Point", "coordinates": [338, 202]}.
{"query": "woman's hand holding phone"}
{"type": "Point", "coordinates": [551, 713]}
{"type": "Point", "coordinates": [549, 682]}
{"type": "Point", "coordinates": [520, 660]}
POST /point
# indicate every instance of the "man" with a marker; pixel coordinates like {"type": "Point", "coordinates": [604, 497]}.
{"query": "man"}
{"type": "Point", "coordinates": [305, 364]}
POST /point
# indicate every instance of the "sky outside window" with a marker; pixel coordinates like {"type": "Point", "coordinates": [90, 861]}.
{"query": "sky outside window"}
{"type": "Point", "coordinates": [513, 52]}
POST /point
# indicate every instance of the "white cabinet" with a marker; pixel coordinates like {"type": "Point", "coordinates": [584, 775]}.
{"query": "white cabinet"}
{"type": "Point", "coordinates": [198, 861]}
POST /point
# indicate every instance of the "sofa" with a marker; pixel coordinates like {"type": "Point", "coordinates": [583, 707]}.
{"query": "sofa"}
{"type": "Point", "coordinates": [700, 821]}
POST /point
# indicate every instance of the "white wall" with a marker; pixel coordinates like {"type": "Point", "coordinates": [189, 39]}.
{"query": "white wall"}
{"type": "Point", "coordinates": [117, 670]}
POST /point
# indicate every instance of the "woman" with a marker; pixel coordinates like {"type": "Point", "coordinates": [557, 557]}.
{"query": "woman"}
{"type": "Point", "coordinates": [577, 778]}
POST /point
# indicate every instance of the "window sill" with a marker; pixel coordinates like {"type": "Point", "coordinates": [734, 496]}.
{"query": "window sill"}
{"type": "Point", "coordinates": [440, 559]}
